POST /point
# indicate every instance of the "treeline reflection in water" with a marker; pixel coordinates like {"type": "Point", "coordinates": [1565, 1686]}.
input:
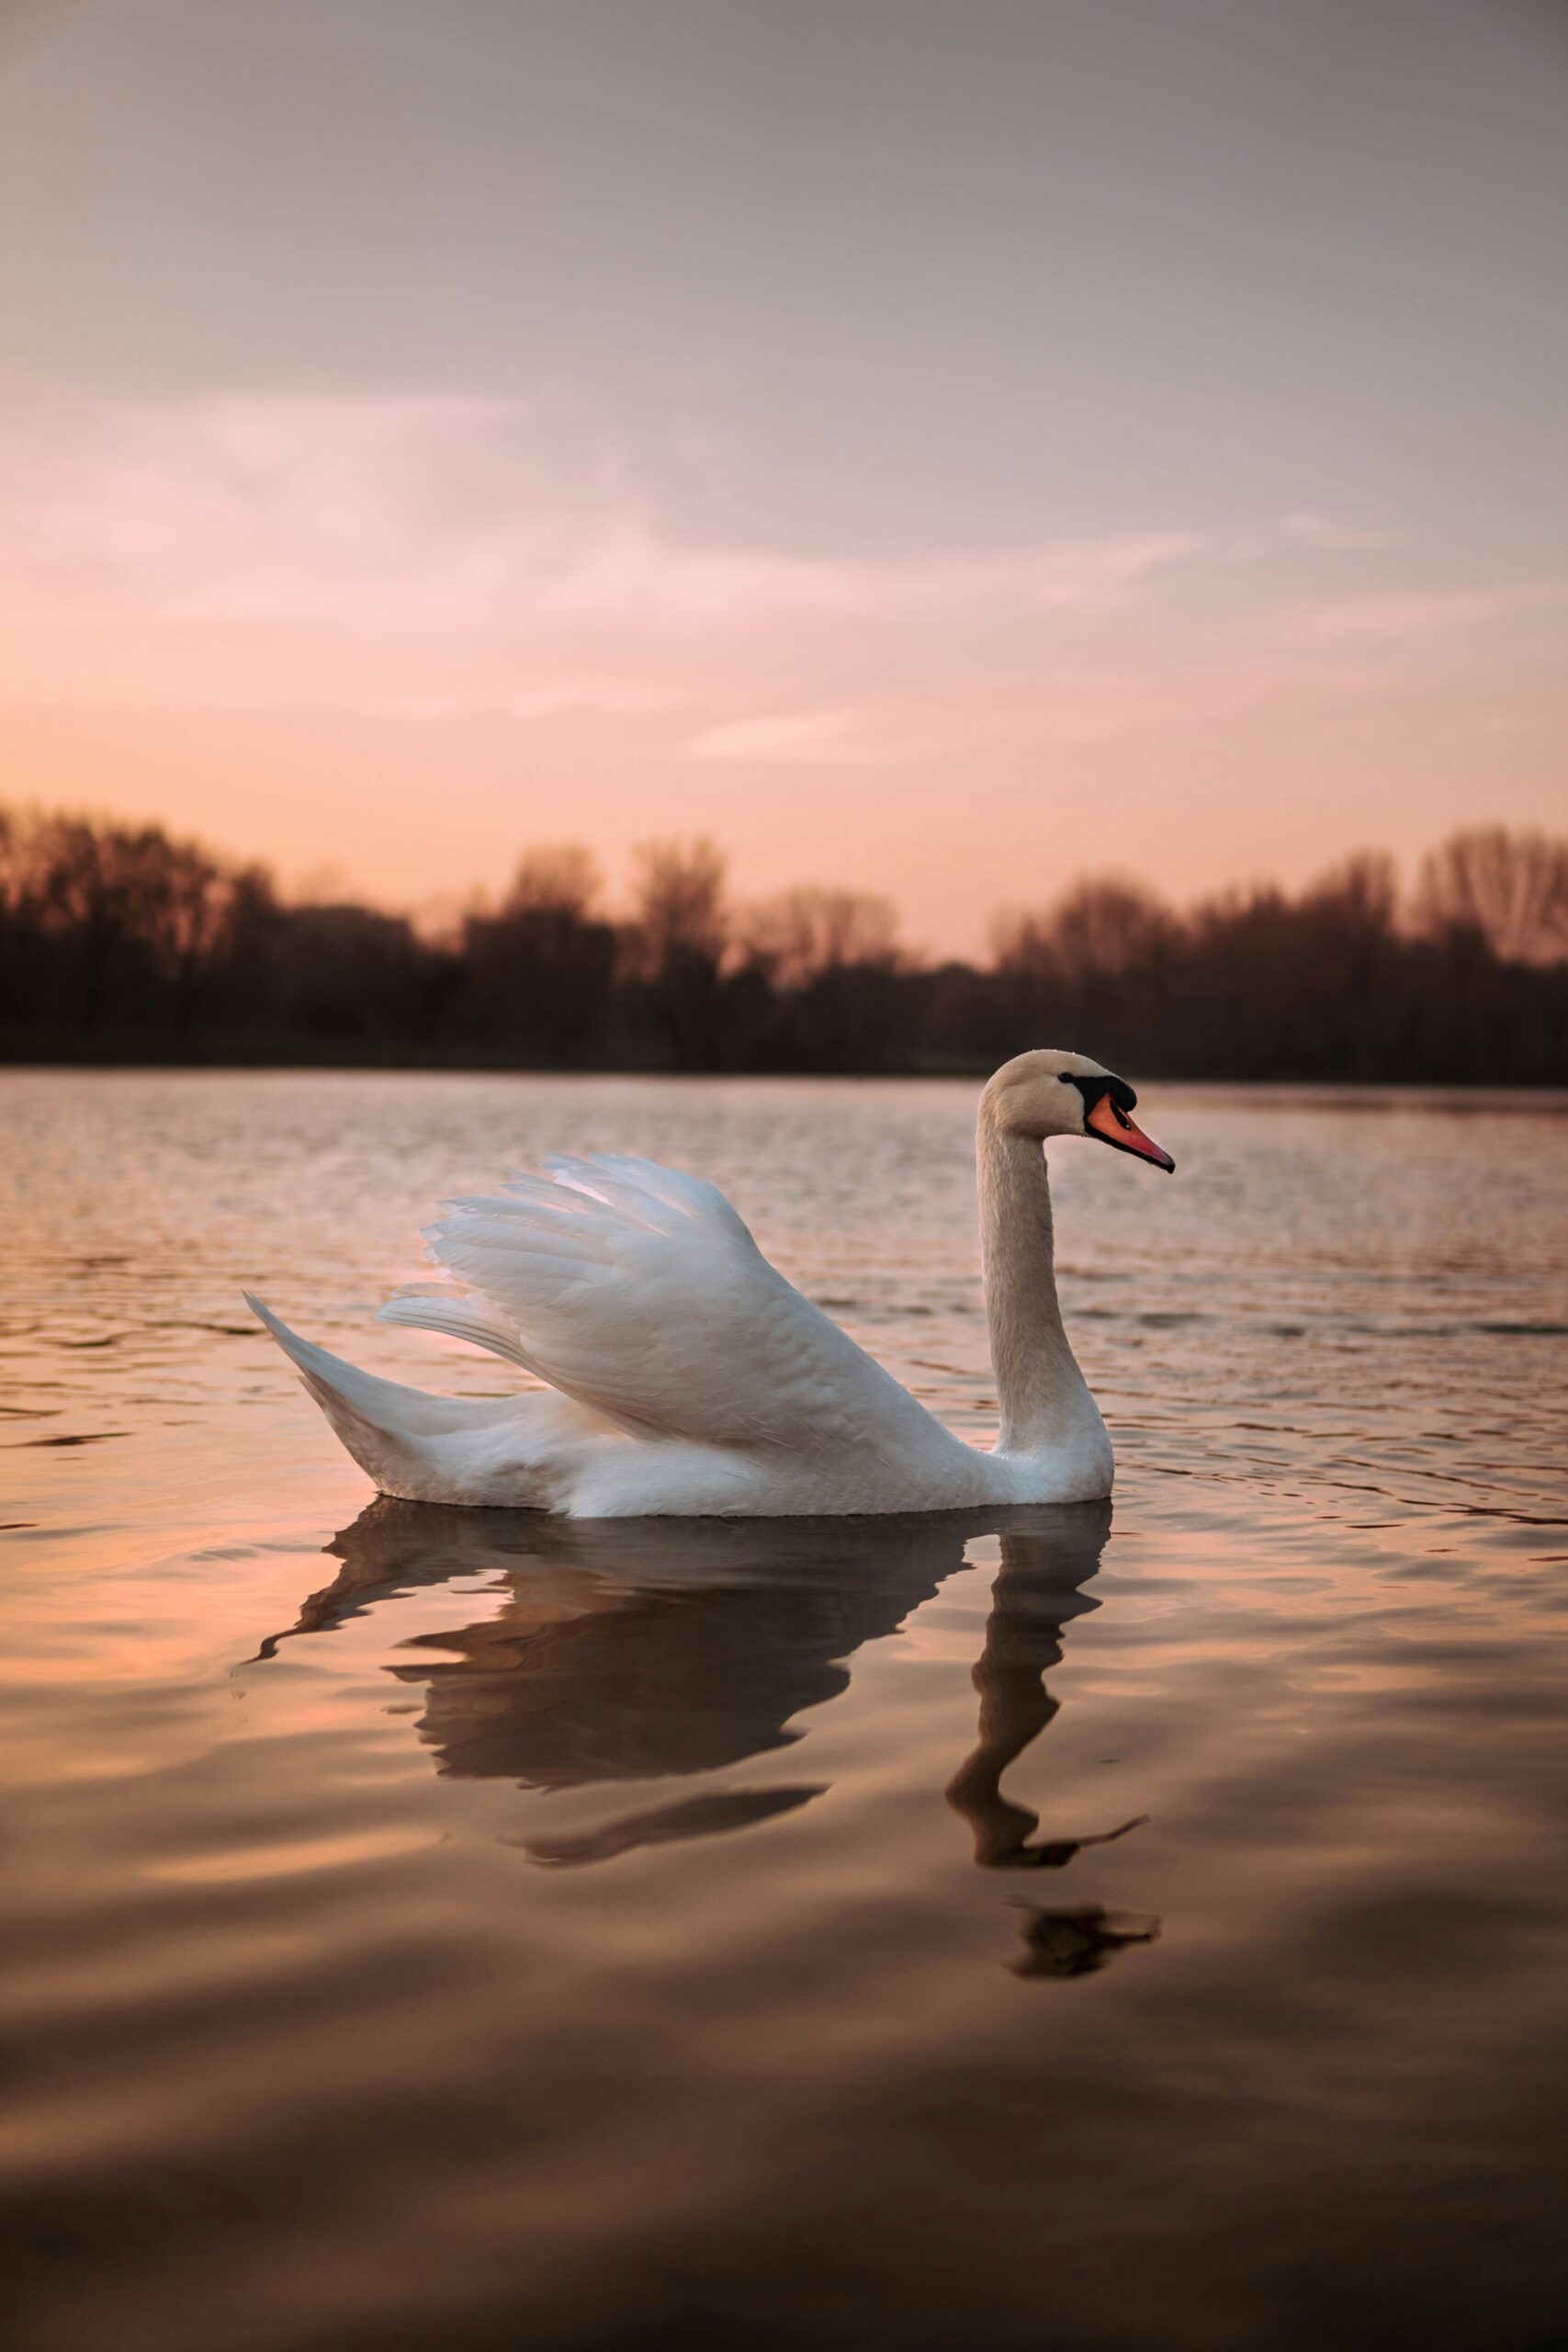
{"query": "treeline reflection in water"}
{"type": "Point", "coordinates": [653, 1649]}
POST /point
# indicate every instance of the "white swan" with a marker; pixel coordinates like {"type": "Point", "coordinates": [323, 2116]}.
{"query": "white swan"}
{"type": "Point", "coordinates": [686, 1377]}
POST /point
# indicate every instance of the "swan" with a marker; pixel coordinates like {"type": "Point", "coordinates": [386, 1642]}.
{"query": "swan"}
{"type": "Point", "coordinates": [686, 1378]}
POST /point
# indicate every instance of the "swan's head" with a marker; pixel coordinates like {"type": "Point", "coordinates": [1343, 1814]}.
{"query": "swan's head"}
{"type": "Point", "coordinates": [1050, 1094]}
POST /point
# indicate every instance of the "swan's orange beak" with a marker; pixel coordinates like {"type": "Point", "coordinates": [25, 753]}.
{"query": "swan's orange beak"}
{"type": "Point", "coordinates": [1113, 1127]}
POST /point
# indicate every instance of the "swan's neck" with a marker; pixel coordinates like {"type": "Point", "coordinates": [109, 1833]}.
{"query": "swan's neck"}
{"type": "Point", "coordinates": [1043, 1399]}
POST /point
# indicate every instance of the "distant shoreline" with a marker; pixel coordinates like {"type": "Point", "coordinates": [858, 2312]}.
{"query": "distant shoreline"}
{"type": "Point", "coordinates": [238, 1065]}
{"type": "Point", "coordinates": [122, 948]}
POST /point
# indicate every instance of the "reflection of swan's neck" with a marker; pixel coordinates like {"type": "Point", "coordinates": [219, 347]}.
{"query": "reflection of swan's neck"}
{"type": "Point", "coordinates": [1040, 1390]}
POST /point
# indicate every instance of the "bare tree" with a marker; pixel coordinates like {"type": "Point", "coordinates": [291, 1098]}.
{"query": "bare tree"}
{"type": "Point", "coordinates": [1101, 927]}
{"type": "Point", "coordinates": [538, 979]}
{"type": "Point", "coordinates": [558, 879]}
{"type": "Point", "coordinates": [1023, 946]}
{"type": "Point", "coordinates": [1512, 887]}
{"type": "Point", "coordinates": [1361, 891]}
{"type": "Point", "coordinates": [800, 934]}
{"type": "Point", "coordinates": [678, 918]}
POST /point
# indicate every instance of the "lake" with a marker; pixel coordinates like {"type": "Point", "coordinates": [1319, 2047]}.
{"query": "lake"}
{"type": "Point", "coordinates": [450, 1930]}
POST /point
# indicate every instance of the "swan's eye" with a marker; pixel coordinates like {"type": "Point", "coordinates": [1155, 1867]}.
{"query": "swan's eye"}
{"type": "Point", "coordinates": [1065, 1077]}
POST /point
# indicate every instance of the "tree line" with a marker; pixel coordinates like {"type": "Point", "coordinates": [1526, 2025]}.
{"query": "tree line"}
{"type": "Point", "coordinates": [120, 943]}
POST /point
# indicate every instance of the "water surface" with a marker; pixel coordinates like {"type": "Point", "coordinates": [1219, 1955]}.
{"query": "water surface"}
{"type": "Point", "coordinates": [452, 1929]}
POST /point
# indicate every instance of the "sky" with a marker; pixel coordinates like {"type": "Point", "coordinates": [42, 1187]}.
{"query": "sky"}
{"type": "Point", "coordinates": [935, 447]}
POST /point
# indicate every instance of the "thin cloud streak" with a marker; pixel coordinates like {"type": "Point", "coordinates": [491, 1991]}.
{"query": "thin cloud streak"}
{"type": "Point", "coordinates": [447, 514]}
{"type": "Point", "coordinates": [1330, 533]}
{"type": "Point", "coordinates": [1387, 619]}
{"type": "Point", "coordinates": [963, 720]}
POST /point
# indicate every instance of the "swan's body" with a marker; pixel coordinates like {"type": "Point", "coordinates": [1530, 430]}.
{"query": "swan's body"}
{"type": "Point", "coordinates": [686, 1377]}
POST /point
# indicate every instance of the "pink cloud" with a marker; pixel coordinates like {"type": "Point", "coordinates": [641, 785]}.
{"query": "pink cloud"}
{"type": "Point", "coordinates": [442, 513]}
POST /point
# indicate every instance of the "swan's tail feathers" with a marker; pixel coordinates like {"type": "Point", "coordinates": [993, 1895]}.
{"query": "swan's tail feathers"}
{"type": "Point", "coordinates": [393, 1432]}
{"type": "Point", "coordinates": [457, 1319]}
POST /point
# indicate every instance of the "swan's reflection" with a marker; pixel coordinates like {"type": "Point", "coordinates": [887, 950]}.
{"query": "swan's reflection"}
{"type": "Point", "coordinates": [1039, 1588]}
{"type": "Point", "coordinates": [635, 1650]}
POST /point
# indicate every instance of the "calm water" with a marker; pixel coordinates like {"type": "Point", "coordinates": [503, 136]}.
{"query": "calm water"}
{"type": "Point", "coordinates": [442, 1929]}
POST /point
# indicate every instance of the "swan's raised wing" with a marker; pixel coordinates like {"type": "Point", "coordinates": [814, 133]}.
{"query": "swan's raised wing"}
{"type": "Point", "coordinates": [641, 1293]}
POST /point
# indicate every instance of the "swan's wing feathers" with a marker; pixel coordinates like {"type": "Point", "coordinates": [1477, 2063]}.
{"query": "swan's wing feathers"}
{"type": "Point", "coordinates": [661, 1200]}
{"type": "Point", "coordinates": [640, 1292]}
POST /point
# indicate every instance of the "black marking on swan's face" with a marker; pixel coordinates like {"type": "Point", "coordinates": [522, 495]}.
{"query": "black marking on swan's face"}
{"type": "Point", "coordinates": [1096, 1085]}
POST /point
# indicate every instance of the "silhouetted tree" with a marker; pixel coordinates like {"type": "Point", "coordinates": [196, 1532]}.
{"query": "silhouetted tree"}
{"type": "Point", "coordinates": [801, 935]}
{"type": "Point", "coordinates": [538, 979]}
{"type": "Point", "coordinates": [674, 948]}
{"type": "Point", "coordinates": [350, 974]}
{"type": "Point", "coordinates": [1511, 888]}
{"type": "Point", "coordinates": [1097, 963]}
{"type": "Point", "coordinates": [120, 921]}
{"type": "Point", "coordinates": [828, 977]}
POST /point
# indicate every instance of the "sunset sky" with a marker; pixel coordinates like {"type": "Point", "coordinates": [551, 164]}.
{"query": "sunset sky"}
{"type": "Point", "coordinates": [940, 448]}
